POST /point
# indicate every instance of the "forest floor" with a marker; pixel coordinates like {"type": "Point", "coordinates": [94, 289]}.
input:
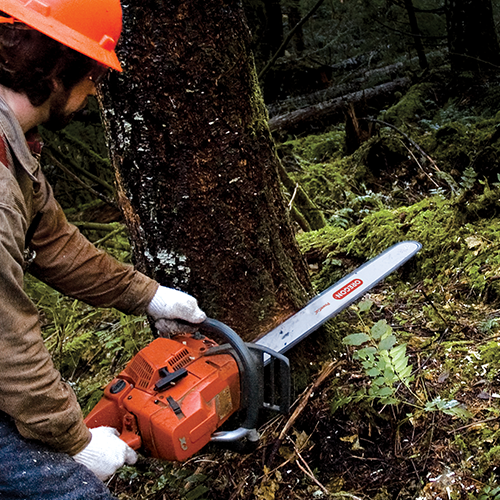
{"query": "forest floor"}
{"type": "Point", "coordinates": [404, 402]}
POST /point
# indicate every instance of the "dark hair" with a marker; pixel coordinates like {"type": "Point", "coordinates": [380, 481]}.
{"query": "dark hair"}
{"type": "Point", "coordinates": [30, 62]}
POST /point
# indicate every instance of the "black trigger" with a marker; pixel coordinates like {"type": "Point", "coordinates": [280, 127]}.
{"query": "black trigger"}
{"type": "Point", "coordinates": [175, 406]}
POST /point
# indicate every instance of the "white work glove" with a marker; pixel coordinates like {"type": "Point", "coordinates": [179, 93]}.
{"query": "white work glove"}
{"type": "Point", "coordinates": [105, 453]}
{"type": "Point", "coordinates": [169, 305]}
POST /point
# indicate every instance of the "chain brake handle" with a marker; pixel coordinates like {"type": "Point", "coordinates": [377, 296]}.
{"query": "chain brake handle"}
{"type": "Point", "coordinates": [251, 359]}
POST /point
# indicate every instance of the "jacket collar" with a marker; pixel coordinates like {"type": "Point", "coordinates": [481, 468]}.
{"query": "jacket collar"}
{"type": "Point", "coordinates": [11, 130]}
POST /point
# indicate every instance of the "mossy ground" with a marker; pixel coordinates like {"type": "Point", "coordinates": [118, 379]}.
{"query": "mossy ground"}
{"type": "Point", "coordinates": [444, 304]}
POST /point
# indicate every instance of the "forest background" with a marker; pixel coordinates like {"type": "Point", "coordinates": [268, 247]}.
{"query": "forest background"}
{"type": "Point", "coordinates": [384, 116]}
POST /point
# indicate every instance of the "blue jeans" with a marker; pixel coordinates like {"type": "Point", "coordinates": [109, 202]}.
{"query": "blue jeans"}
{"type": "Point", "coordinates": [30, 471]}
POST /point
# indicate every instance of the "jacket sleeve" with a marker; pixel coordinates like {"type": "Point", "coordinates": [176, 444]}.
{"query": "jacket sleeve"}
{"type": "Point", "coordinates": [68, 262]}
{"type": "Point", "coordinates": [31, 389]}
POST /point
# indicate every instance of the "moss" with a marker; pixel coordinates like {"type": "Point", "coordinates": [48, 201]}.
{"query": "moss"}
{"type": "Point", "coordinates": [418, 103]}
{"type": "Point", "coordinates": [317, 148]}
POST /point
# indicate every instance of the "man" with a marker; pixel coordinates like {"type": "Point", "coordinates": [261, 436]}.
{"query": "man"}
{"type": "Point", "coordinates": [52, 52]}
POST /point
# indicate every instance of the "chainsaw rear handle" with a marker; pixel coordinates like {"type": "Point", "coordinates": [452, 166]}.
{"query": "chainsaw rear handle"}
{"type": "Point", "coordinates": [249, 381]}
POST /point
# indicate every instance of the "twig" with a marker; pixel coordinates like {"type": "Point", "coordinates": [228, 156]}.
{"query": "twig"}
{"type": "Point", "coordinates": [288, 38]}
{"type": "Point", "coordinates": [97, 226]}
{"type": "Point", "coordinates": [77, 179]}
{"type": "Point", "coordinates": [86, 150]}
{"type": "Point", "coordinates": [308, 472]}
{"type": "Point", "coordinates": [236, 492]}
{"type": "Point", "coordinates": [487, 339]}
{"type": "Point", "coordinates": [368, 459]}
{"type": "Point", "coordinates": [94, 157]}
{"type": "Point", "coordinates": [291, 458]}
{"type": "Point", "coordinates": [108, 236]}
{"type": "Point", "coordinates": [482, 61]}
{"type": "Point", "coordinates": [406, 136]}
{"type": "Point", "coordinates": [325, 373]}
{"type": "Point", "coordinates": [473, 424]}
{"type": "Point", "coordinates": [290, 205]}
{"type": "Point", "coordinates": [344, 494]}
{"type": "Point", "coordinates": [418, 163]}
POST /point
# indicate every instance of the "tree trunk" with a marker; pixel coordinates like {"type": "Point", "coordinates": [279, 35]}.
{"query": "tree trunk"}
{"type": "Point", "coordinates": [265, 21]}
{"type": "Point", "coordinates": [294, 17]}
{"type": "Point", "coordinates": [196, 166]}
{"type": "Point", "coordinates": [417, 40]}
{"type": "Point", "coordinates": [472, 39]}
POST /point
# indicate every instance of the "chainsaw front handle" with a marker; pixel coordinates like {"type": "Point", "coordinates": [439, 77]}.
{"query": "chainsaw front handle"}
{"type": "Point", "coordinates": [249, 382]}
{"type": "Point", "coordinates": [259, 391]}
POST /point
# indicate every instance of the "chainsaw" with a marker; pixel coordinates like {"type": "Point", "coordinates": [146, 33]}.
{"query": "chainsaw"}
{"type": "Point", "coordinates": [173, 397]}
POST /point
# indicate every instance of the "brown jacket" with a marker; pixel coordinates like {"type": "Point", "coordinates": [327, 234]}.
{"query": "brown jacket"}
{"type": "Point", "coordinates": [31, 390]}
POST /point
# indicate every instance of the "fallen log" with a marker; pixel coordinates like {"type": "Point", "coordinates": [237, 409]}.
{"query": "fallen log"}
{"type": "Point", "coordinates": [317, 117]}
{"type": "Point", "coordinates": [356, 83]}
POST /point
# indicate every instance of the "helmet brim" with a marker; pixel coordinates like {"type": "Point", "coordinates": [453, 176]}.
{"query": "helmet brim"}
{"type": "Point", "coordinates": [102, 51]}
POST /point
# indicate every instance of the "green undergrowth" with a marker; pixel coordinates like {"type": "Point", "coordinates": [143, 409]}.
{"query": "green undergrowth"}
{"type": "Point", "coordinates": [425, 357]}
{"type": "Point", "coordinates": [460, 253]}
{"type": "Point", "coordinates": [89, 346]}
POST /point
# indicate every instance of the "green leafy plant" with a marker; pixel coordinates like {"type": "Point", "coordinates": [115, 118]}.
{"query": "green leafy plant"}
{"type": "Point", "coordinates": [386, 363]}
{"type": "Point", "coordinates": [468, 179]}
{"type": "Point", "coordinates": [489, 493]}
{"type": "Point", "coordinates": [384, 360]}
{"type": "Point", "coordinates": [450, 407]}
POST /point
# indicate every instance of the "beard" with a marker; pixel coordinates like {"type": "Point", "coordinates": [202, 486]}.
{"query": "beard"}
{"type": "Point", "coordinates": [59, 117]}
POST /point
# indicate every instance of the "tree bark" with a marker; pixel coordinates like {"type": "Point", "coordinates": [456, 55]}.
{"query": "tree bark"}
{"type": "Point", "coordinates": [472, 39]}
{"type": "Point", "coordinates": [417, 40]}
{"type": "Point", "coordinates": [196, 166]}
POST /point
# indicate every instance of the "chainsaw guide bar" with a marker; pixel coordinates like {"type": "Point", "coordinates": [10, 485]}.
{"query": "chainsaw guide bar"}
{"type": "Point", "coordinates": [336, 298]}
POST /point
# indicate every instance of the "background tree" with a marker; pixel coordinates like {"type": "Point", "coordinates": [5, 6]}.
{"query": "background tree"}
{"type": "Point", "coordinates": [196, 166]}
{"type": "Point", "coordinates": [265, 21]}
{"type": "Point", "coordinates": [415, 31]}
{"type": "Point", "coordinates": [294, 16]}
{"type": "Point", "coordinates": [472, 39]}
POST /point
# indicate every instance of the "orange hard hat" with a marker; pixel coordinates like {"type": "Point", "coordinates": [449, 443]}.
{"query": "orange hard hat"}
{"type": "Point", "coordinates": [91, 27]}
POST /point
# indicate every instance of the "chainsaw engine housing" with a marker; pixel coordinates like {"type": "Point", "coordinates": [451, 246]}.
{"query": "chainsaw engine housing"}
{"type": "Point", "coordinates": [171, 397]}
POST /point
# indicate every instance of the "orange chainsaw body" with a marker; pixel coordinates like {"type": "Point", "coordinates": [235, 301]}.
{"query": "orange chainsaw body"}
{"type": "Point", "coordinates": [174, 393]}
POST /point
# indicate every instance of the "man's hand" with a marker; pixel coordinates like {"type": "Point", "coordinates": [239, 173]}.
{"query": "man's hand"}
{"type": "Point", "coordinates": [169, 305]}
{"type": "Point", "coordinates": [105, 453]}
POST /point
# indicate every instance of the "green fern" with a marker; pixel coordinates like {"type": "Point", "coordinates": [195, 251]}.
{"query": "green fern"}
{"type": "Point", "coordinates": [385, 362]}
{"type": "Point", "coordinates": [489, 493]}
{"type": "Point", "coordinates": [468, 179]}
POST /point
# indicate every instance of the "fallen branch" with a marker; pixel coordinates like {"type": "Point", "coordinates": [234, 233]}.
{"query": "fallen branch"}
{"type": "Point", "coordinates": [77, 179]}
{"type": "Point", "coordinates": [333, 110]}
{"type": "Point", "coordinates": [304, 401]}
{"type": "Point", "coordinates": [406, 136]}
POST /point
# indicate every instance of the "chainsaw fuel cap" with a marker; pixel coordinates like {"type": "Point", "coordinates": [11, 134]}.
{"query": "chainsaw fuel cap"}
{"type": "Point", "coordinates": [118, 386]}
